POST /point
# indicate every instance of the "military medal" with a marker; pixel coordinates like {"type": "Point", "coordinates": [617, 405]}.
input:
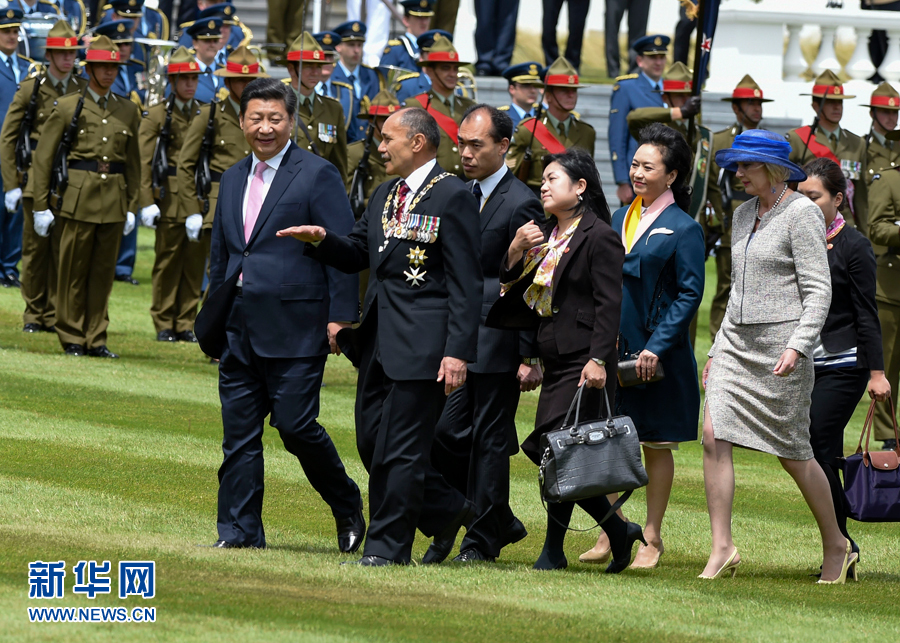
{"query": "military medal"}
{"type": "Point", "coordinates": [413, 275]}
{"type": "Point", "coordinates": [408, 225]}
{"type": "Point", "coordinates": [416, 257]}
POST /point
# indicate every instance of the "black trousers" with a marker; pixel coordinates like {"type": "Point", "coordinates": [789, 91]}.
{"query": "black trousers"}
{"type": "Point", "coordinates": [638, 13]}
{"type": "Point", "coordinates": [578, 11]}
{"type": "Point", "coordinates": [495, 34]}
{"type": "Point", "coordinates": [471, 451]}
{"type": "Point", "coordinates": [252, 387]}
{"type": "Point", "coordinates": [395, 425]}
{"type": "Point", "coordinates": [835, 395]}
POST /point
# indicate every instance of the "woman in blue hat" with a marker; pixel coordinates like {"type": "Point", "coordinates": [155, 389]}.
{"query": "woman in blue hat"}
{"type": "Point", "coordinates": [759, 377]}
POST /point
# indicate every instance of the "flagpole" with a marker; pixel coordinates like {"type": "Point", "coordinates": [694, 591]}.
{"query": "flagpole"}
{"type": "Point", "coordinates": [698, 57]}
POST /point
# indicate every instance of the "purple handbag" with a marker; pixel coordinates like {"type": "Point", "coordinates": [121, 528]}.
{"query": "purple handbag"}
{"type": "Point", "coordinates": [872, 478]}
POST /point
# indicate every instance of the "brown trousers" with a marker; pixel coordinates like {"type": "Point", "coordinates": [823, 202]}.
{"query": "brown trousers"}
{"type": "Point", "coordinates": [87, 268]}
{"type": "Point", "coordinates": [889, 316]}
{"type": "Point", "coordinates": [177, 277]}
{"type": "Point", "coordinates": [445, 15]}
{"type": "Point", "coordinates": [40, 256]}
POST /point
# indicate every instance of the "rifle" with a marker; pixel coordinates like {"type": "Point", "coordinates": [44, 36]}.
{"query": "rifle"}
{"type": "Point", "coordinates": [159, 171]}
{"type": "Point", "coordinates": [23, 142]}
{"type": "Point", "coordinates": [360, 176]}
{"type": "Point", "coordinates": [202, 176]}
{"type": "Point", "coordinates": [525, 166]}
{"type": "Point", "coordinates": [59, 175]}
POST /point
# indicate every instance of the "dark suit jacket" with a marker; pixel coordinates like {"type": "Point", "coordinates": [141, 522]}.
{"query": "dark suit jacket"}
{"type": "Point", "coordinates": [288, 297]}
{"type": "Point", "coordinates": [853, 316]}
{"type": "Point", "coordinates": [511, 205]}
{"type": "Point", "coordinates": [416, 325]}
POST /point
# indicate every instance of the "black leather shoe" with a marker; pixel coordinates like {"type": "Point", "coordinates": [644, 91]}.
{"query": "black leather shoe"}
{"type": "Point", "coordinates": [472, 555]}
{"type": "Point", "coordinates": [224, 544]}
{"type": "Point", "coordinates": [889, 445]}
{"type": "Point", "coordinates": [351, 531]}
{"type": "Point", "coordinates": [13, 281]}
{"type": "Point", "coordinates": [48, 329]}
{"type": "Point", "coordinates": [370, 561]}
{"type": "Point", "coordinates": [166, 335]}
{"type": "Point", "coordinates": [514, 533]}
{"type": "Point", "coordinates": [622, 553]}
{"type": "Point", "coordinates": [75, 350]}
{"type": "Point", "coordinates": [443, 542]}
{"type": "Point", "coordinates": [32, 328]}
{"type": "Point", "coordinates": [128, 279]}
{"type": "Point", "coordinates": [102, 351]}
{"type": "Point", "coordinates": [186, 336]}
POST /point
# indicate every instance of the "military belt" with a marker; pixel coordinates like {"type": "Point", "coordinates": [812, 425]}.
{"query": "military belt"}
{"type": "Point", "coordinates": [98, 166]}
{"type": "Point", "coordinates": [215, 177]}
{"type": "Point", "coordinates": [894, 250]}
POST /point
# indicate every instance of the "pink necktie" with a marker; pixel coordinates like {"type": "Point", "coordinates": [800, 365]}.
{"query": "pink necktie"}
{"type": "Point", "coordinates": [255, 199]}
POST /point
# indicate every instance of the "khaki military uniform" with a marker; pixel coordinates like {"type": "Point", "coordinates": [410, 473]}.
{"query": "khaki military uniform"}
{"type": "Point", "coordinates": [179, 263]}
{"type": "Point", "coordinates": [851, 152]}
{"type": "Point", "coordinates": [377, 172]}
{"type": "Point", "coordinates": [324, 132]}
{"type": "Point", "coordinates": [880, 157]}
{"type": "Point", "coordinates": [580, 135]}
{"type": "Point", "coordinates": [229, 147]}
{"type": "Point", "coordinates": [448, 150]}
{"type": "Point", "coordinates": [40, 255]}
{"type": "Point", "coordinates": [92, 215]}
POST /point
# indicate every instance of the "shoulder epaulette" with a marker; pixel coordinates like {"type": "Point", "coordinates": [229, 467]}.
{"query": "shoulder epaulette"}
{"type": "Point", "coordinates": [626, 77]}
{"type": "Point", "coordinates": [341, 83]}
{"type": "Point", "coordinates": [413, 74]}
{"type": "Point", "coordinates": [186, 24]}
{"type": "Point", "coordinates": [576, 115]}
{"type": "Point", "coordinates": [135, 61]}
{"type": "Point", "coordinates": [334, 100]}
{"type": "Point", "coordinates": [394, 42]}
{"type": "Point", "coordinates": [503, 108]}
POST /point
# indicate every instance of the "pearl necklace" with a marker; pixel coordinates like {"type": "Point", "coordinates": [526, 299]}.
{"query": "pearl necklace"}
{"type": "Point", "coordinates": [774, 205]}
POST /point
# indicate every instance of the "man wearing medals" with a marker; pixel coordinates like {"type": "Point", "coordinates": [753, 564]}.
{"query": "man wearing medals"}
{"type": "Point", "coordinates": [419, 236]}
{"type": "Point", "coordinates": [833, 142]}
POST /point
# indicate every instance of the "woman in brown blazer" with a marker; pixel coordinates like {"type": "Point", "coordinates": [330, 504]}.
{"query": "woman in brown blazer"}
{"type": "Point", "coordinates": [566, 278]}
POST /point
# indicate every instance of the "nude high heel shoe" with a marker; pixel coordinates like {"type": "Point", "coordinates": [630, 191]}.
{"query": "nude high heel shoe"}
{"type": "Point", "coordinates": [850, 559]}
{"type": "Point", "coordinates": [730, 565]}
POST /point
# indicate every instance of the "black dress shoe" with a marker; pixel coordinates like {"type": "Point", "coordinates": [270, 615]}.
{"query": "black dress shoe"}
{"type": "Point", "coordinates": [5, 282]}
{"type": "Point", "coordinates": [472, 555]}
{"type": "Point", "coordinates": [48, 329]}
{"type": "Point", "coordinates": [514, 533]}
{"type": "Point", "coordinates": [370, 561]}
{"type": "Point", "coordinates": [443, 542]}
{"type": "Point", "coordinates": [128, 279]}
{"type": "Point", "coordinates": [75, 350]}
{"type": "Point", "coordinates": [186, 336]}
{"type": "Point", "coordinates": [224, 544]}
{"type": "Point", "coordinates": [32, 328]}
{"type": "Point", "coordinates": [102, 351]}
{"type": "Point", "coordinates": [351, 531]}
{"type": "Point", "coordinates": [13, 281]}
{"type": "Point", "coordinates": [889, 445]}
{"type": "Point", "coordinates": [622, 553]}
{"type": "Point", "coordinates": [166, 335]}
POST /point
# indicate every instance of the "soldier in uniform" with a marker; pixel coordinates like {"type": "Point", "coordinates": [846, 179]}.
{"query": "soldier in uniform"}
{"type": "Point", "coordinates": [320, 128]}
{"type": "Point", "coordinates": [725, 192]}
{"type": "Point", "coordinates": [228, 143]}
{"type": "Point", "coordinates": [363, 81]}
{"type": "Point", "coordinates": [376, 113]}
{"type": "Point", "coordinates": [205, 39]}
{"type": "Point", "coordinates": [834, 142]}
{"type": "Point", "coordinates": [145, 22]}
{"type": "Point", "coordinates": [557, 130]}
{"type": "Point", "coordinates": [880, 151]}
{"type": "Point", "coordinates": [414, 83]}
{"type": "Point", "coordinates": [234, 32]}
{"type": "Point", "coordinates": [629, 93]}
{"type": "Point", "coordinates": [95, 210]}
{"type": "Point", "coordinates": [39, 254]}
{"type": "Point", "coordinates": [524, 89]}
{"type": "Point", "coordinates": [679, 106]}
{"type": "Point", "coordinates": [441, 63]}
{"type": "Point", "coordinates": [403, 52]}
{"type": "Point", "coordinates": [178, 266]}
{"type": "Point", "coordinates": [340, 91]}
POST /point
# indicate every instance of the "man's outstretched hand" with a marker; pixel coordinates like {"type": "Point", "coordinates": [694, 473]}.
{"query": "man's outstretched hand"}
{"type": "Point", "coordinates": [308, 233]}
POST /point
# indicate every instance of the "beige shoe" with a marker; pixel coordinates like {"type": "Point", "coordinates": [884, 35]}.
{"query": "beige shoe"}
{"type": "Point", "coordinates": [648, 556]}
{"type": "Point", "coordinates": [600, 553]}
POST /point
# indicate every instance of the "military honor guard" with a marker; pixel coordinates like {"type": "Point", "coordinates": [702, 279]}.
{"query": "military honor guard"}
{"type": "Point", "coordinates": [884, 105]}
{"type": "Point", "coordinates": [338, 90]}
{"type": "Point", "coordinates": [179, 264]}
{"type": "Point", "coordinates": [680, 105]}
{"type": "Point", "coordinates": [23, 126]}
{"type": "Point", "coordinates": [373, 173]}
{"type": "Point", "coordinates": [215, 131]}
{"type": "Point", "coordinates": [147, 22]}
{"type": "Point", "coordinates": [349, 69]}
{"type": "Point", "coordinates": [234, 32]}
{"type": "Point", "coordinates": [525, 86]}
{"type": "Point", "coordinates": [13, 71]}
{"type": "Point", "coordinates": [441, 63]}
{"type": "Point", "coordinates": [725, 192]}
{"type": "Point", "coordinates": [126, 85]}
{"type": "Point", "coordinates": [833, 142]}
{"type": "Point", "coordinates": [403, 52]}
{"type": "Point", "coordinates": [321, 127]}
{"type": "Point", "coordinates": [407, 85]}
{"type": "Point", "coordinates": [554, 130]}
{"type": "Point", "coordinates": [205, 38]}
{"type": "Point", "coordinates": [629, 93]}
{"type": "Point", "coordinates": [95, 208]}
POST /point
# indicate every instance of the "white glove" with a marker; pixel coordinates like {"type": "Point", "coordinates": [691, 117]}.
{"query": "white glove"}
{"type": "Point", "coordinates": [192, 226]}
{"type": "Point", "coordinates": [43, 219]}
{"type": "Point", "coordinates": [12, 199]}
{"type": "Point", "coordinates": [149, 215]}
{"type": "Point", "coordinates": [129, 224]}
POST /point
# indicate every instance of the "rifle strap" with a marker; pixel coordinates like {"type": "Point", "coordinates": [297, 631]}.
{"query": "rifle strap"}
{"type": "Point", "coordinates": [445, 122]}
{"type": "Point", "coordinates": [546, 138]}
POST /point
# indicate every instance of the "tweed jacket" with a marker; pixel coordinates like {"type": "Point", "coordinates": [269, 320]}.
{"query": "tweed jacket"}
{"type": "Point", "coordinates": [782, 275]}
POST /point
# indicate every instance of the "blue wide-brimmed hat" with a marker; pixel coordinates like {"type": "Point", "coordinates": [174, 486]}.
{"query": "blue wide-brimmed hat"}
{"type": "Point", "coordinates": [759, 146]}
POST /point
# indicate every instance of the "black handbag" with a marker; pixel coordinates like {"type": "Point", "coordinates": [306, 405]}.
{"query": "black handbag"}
{"type": "Point", "coordinates": [626, 372]}
{"type": "Point", "coordinates": [590, 459]}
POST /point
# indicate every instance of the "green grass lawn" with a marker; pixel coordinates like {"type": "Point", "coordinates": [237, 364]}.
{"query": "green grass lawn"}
{"type": "Point", "coordinates": [117, 460]}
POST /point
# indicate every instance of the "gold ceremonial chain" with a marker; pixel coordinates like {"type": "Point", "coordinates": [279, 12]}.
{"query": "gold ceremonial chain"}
{"type": "Point", "coordinates": [392, 227]}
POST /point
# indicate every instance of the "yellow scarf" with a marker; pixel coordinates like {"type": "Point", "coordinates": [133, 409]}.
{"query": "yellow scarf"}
{"type": "Point", "coordinates": [632, 220]}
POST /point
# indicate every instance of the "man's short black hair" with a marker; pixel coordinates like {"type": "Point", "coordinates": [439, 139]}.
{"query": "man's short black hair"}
{"type": "Point", "coordinates": [501, 123]}
{"type": "Point", "coordinates": [418, 121]}
{"type": "Point", "coordinates": [269, 89]}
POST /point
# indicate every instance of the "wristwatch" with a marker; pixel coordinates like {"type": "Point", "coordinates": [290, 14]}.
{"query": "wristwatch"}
{"type": "Point", "coordinates": [598, 361]}
{"type": "Point", "coordinates": [531, 361]}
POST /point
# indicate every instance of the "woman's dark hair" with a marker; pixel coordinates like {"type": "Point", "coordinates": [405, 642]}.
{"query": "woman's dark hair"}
{"type": "Point", "coordinates": [676, 155]}
{"type": "Point", "coordinates": [830, 174]}
{"type": "Point", "coordinates": [579, 164]}
{"type": "Point", "coordinates": [269, 89]}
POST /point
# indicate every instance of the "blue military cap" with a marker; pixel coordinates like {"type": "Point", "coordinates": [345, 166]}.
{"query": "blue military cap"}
{"type": "Point", "coordinates": [223, 10]}
{"type": "Point", "coordinates": [10, 17]}
{"type": "Point", "coordinates": [418, 8]}
{"type": "Point", "coordinates": [351, 30]}
{"type": "Point", "coordinates": [208, 29]}
{"type": "Point", "coordinates": [116, 30]}
{"type": "Point", "coordinates": [524, 73]}
{"type": "Point", "coordinates": [427, 39]}
{"type": "Point", "coordinates": [129, 8]}
{"type": "Point", "coordinates": [651, 45]}
{"type": "Point", "coordinates": [327, 39]}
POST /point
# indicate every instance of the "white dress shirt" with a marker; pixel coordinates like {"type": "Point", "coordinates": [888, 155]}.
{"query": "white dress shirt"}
{"type": "Point", "coordinates": [268, 176]}
{"type": "Point", "coordinates": [13, 62]}
{"type": "Point", "coordinates": [212, 67]}
{"type": "Point", "coordinates": [490, 184]}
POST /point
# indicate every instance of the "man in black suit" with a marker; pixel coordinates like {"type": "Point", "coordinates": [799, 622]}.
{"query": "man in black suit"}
{"type": "Point", "coordinates": [419, 236]}
{"type": "Point", "coordinates": [477, 432]}
{"type": "Point", "coordinates": [271, 317]}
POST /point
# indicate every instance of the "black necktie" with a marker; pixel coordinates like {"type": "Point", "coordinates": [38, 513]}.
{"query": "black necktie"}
{"type": "Point", "coordinates": [476, 190]}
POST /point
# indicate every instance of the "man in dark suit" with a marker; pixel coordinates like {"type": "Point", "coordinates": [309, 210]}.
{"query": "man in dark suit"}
{"type": "Point", "coordinates": [271, 317]}
{"type": "Point", "coordinates": [477, 432]}
{"type": "Point", "coordinates": [420, 238]}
